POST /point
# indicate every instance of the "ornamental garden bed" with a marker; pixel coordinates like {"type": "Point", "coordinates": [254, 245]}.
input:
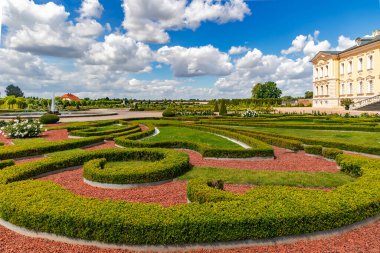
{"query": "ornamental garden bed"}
{"type": "Point", "coordinates": [263, 199]}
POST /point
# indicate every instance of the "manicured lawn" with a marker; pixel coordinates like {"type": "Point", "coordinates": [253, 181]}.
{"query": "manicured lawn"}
{"type": "Point", "coordinates": [360, 138]}
{"type": "Point", "coordinates": [303, 179]}
{"type": "Point", "coordinates": [192, 135]}
{"type": "Point", "coordinates": [30, 141]}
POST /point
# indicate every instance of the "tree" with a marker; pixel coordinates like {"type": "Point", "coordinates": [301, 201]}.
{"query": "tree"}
{"type": "Point", "coordinates": [266, 90]}
{"type": "Point", "coordinates": [309, 94]}
{"type": "Point", "coordinates": [11, 102]}
{"type": "Point", "coordinates": [223, 108]}
{"type": "Point", "coordinates": [216, 106]}
{"type": "Point", "coordinates": [13, 90]}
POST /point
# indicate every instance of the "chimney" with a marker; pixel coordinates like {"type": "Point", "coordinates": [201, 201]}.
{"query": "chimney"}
{"type": "Point", "coordinates": [376, 33]}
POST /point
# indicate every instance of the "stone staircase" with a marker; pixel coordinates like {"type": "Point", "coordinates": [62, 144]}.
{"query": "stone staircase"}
{"type": "Point", "coordinates": [368, 104]}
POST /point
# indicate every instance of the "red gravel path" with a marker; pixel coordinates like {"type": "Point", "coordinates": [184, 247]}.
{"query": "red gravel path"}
{"type": "Point", "coordinates": [5, 140]}
{"type": "Point", "coordinates": [143, 127]}
{"type": "Point", "coordinates": [56, 135]}
{"type": "Point", "coordinates": [365, 239]}
{"type": "Point", "coordinates": [107, 144]}
{"type": "Point", "coordinates": [166, 194]}
{"type": "Point", "coordinates": [285, 161]}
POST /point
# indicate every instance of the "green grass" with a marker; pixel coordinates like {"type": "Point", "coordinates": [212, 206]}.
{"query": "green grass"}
{"type": "Point", "coordinates": [360, 138]}
{"type": "Point", "coordinates": [256, 177]}
{"type": "Point", "coordinates": [192, 135]}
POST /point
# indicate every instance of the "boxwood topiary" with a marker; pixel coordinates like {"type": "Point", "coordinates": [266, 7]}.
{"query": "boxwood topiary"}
{"type": "Point", "coordinates": [331, 153]}
{"type": "Point", "coordinates": [49, 119]}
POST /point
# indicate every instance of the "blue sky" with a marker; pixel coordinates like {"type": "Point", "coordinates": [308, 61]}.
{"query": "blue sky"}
{"type": "Point", "coordinates": [183, 56]}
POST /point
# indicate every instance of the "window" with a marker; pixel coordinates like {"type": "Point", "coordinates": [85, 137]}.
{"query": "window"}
{"type": "Point", "coordinates": [327, 90]}
{"type": "Point", "coordinates": [350, 89]}
{"type": "Point", "coordinates": [360, 90]}
{"type": "Point", "coordinates": [342, 89]}
{"type": "Point", "coordinates": [342, 68]}
{"type": "Point", "coordinates": [316, 71]}
{"type": "Point", "coordinates": [350, 67]}
{"type": "Point", "coordinates": [360, 64]}
{"type": "Point", "coordinates": [322, 91]}
{"type": "Point", "coordinates": [317, 91]}
{"type": "Point", "coordinates": [327, 71]}
{"type": "Point", "coordinates": [321, 73]}
{"type": "Point", "coordinates": [370, 86]}
{"type": "Point", "coordinates": [370, 62]}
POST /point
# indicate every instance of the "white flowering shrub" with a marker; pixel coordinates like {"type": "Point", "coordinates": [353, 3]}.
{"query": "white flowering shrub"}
{"type": "Point", "coordinates": [21, 129]}
{"type": "Point", "coordinates": [249, 114]}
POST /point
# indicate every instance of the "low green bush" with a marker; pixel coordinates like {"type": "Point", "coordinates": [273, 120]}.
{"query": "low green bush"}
{"type": "Point", "coordinates": [49, 119]}
{"type": "Point", "coordinates": [331, 153]}
{"type": "Point", "coordinates": [313, 149]}
{"type": "Point", "coordinates": [164, 165]}
{"type": "Point", "coordinates": [264, 212]}
{"type": "Point", "coordinates": [6, 163]}
{"type": "Point", "coordinates": [38, 148]}
{"type": "Point", "coordinates": [93, 131]}
{"type": "Point", "coordinates": [168, 113]}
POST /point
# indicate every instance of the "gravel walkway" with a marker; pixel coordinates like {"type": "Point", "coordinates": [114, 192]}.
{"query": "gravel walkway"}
{"type": "Point", "coordinates": [56, 135]}
{"type": "Point", "coordinates": [285, 161]}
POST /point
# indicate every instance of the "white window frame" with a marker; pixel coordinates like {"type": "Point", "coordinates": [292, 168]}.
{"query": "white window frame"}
{"type": "Point", "coordinates": [342, 89]}
{"type": "Point", "coordinates": [370, 62]}
{"type": "Point", "coordinates": [350, 88]}
{"type": "Point", "coordinates": [360, 64]}
{"type": "Point", "coordinates": [350, 67]}
{"type": "Point", "coordinates": [327, 71]}
{"type": "Point", "coordinates": [370, 86]}
{"type": "Point", "coordinates": [342, 68]}
{"type": "Point", "coordinates": [317, 91]}
{"type": "Point", "coordinates": [360, 87]}
{"type": "Point", "coordinates": [327, 90]}
{"type": "Point", "coordinates": [322, 91]}
{"type": "Point", "coordinates": [316, 72]}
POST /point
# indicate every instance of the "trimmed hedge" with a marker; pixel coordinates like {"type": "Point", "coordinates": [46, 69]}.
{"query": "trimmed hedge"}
{"type": "Point", "coordinates": [92, 131]}
{"type": "Point", "coordinates": [259, 149]}
{"type": "Point", "coordinates": [49, 119]}
{"type": "Point", "coordinates": [264, 212]}
{"type": "Point", "coordinates": [275, 141]}
{"type": "Point", "coordinates": [331, 153]}
{"type": "Point", "coordinates": [164, 165]}
{"type": "Point", "coordinates": [6, 163]}
{"type": "Point", "coordinates": [33, 149]}
{"type": "Point", "coordinates": [313, 149]}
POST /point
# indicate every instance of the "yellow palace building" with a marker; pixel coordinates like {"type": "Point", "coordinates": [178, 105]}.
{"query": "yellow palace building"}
{"type": "Point", "coordinates": [353, 73]}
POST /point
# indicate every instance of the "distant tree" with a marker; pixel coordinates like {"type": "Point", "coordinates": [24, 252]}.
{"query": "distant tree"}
{"type": "Point", "coordinates": [11, 101]}
{"type": "Point", "coordinates": [266, 90]}
{"type": "Point", "coordinates": [223, 108]}
{"type": "Point", "coordinates": [309, 94]}
{"type": "Point", "coordinates": [216, 106]}
{"type": "Point", "coordinates": [21, 103]}
{"type": "Point", "coordinates": [13, 90]}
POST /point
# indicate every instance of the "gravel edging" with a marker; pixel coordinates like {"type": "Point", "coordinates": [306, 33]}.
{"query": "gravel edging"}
{"type": "Point", "coordinates": [123, 186]}
{"type": "Point", "coordinates": [173, 248]}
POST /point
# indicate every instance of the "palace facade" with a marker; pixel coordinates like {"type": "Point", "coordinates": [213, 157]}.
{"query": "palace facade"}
{"type": "Point", "coordinates": [353, 73]}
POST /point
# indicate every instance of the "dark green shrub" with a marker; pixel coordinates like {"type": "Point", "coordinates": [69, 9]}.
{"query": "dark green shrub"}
{"type": "Point", "coordinates": [223, 108]}
{"type": "Point", "coordinates": [331, 153]}
{"type": "Point", "coordinates": [217, 184]}
{"type": "Point", "coordinates": [313, 149]}
{"type": "Point", "coordinates": [6, 163]}
{"type": "Point", "coordinates": [49, 119]}
{"type": "Point", "coordinates": [168, 113]}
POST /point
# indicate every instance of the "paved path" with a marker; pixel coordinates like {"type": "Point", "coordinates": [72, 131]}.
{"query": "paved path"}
{"type": "Point", "coordinates": [122, 114]}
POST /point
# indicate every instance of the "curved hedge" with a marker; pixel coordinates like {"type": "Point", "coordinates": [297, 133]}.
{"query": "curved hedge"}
{"type": "Point", "coordinates": [165, 165]}
{"type": "Point", "coordinates": [37, 148]}
{"type": "Point", "coordinates": [264, 212]}
{"type": "Point", "coordinates": [258, 148]}
{"type": "Point", "coordinates": [93, 131]}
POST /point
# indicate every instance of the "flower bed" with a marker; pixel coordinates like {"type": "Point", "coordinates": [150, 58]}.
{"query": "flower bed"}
{"type": "Point", "coordinates": [263, 212]}
{"type": "Point", "coordinates": [21, 129]}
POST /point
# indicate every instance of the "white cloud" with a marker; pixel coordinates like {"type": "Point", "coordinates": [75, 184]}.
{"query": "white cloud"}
{"type": "Point", "coordinates": [149, 21]}
{"type": "Point", "coordinates": [120, 53]}
{"type": "Point", "coordinates": [238, 50]}
{"type": "Point", "coordinates": [345, 43]}
{"type": "Point", "coordinates": [310, 45]}
{"type": "Point", "coordinates": [91, 9]}
{"type": "Point", "coordinates": [195, 61]}
{"type": "Point", "coordinates": [44, 29]}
